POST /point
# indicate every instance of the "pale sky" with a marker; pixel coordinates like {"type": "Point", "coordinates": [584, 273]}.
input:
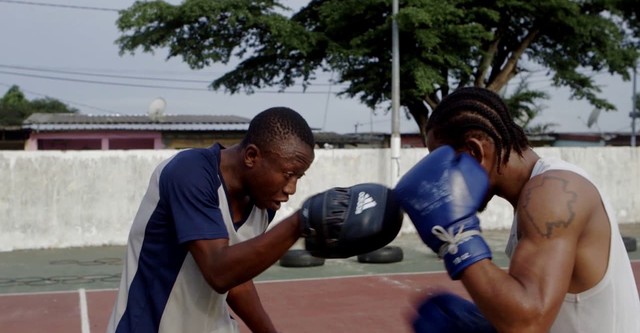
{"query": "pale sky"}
{"type": "Point", "coordinates": [41, 46]}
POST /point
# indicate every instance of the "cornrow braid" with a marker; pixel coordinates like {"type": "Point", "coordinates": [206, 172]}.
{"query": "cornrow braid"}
{"type": "Point", "coordinates": [474, 108]}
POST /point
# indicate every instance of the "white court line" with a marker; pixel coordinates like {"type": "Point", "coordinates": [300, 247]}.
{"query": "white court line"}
{"type": "Point", "coordinates": [56, 292]}
{"type": "Point", "coordinates": [84, 311]}
{"type": "Point", "coordinates": [355, 276]}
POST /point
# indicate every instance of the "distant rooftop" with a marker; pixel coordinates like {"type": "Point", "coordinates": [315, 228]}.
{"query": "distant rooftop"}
{"type": "Point", "coordinates": [73, 121]}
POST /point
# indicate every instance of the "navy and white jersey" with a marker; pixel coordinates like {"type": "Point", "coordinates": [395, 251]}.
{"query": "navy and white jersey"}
{"type": "Point", "coordinates": [162, 288]}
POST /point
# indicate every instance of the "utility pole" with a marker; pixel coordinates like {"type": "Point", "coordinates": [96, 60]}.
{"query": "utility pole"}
{"type": "Point", "coordinates": [395, 97]}
{"type": "Point", "coordinates": [634, 110]}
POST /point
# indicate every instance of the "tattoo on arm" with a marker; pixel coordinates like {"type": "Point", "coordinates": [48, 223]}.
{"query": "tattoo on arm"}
{"type": "Point", "coordinates": [562, 196]}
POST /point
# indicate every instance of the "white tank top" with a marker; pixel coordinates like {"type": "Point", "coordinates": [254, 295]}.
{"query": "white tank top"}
{"type": "Point", "coordinates": [613, 304]}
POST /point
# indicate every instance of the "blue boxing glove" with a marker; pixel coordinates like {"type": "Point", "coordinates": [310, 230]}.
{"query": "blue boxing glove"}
{"type": "Point", "coordinates": [448, 313]}
{"type": "Point", "coordinates": [442, 194]}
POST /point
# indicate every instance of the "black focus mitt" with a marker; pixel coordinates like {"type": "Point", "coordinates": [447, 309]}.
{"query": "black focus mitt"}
{"type": "Point", "coordinates": [347, 221]}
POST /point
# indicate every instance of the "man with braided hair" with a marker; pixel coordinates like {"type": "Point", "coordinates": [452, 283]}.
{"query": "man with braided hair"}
{"type": "Point", "coordinates": [200, 235]}
{"type": "Point", "coordinates": [569, 269]}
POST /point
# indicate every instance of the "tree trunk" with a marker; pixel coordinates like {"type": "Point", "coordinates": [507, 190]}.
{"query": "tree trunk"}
{"type": "Point", "coordinates": [420, 114]}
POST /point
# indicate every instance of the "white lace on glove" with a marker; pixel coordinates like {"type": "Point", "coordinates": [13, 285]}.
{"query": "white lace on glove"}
{"type": "Point", "coordinates": [450, 239]}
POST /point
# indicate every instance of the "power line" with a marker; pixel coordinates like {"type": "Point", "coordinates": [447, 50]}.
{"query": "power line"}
{"type": "Point", "coordinates": [43, 4]}
{"type": "Point", "coordinates": [102, 75]}
{"type": "Point", "coordinates": [549, 80]}
{"type": "Point", "coordinates": [150, 86]}
{"type": "Point", "coordinates": [62, 100]}
{"type": "Point", "coordinates": [147, 78]}
{"type": "Point", "coordinates": [100, 82]}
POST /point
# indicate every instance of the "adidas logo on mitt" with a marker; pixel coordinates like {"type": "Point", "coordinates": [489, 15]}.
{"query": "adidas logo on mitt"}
{"type": "Point", "coordinates": [365, 201]}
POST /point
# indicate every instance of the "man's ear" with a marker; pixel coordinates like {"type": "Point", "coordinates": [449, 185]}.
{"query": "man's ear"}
{"type": "Point", "coordinates": [251, 155]}
{"type": "Point", "coordinates": [476, 149]}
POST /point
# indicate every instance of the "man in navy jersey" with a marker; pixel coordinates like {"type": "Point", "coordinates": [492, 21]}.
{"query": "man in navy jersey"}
{"type": "Point", "coordinates": [199, 236]}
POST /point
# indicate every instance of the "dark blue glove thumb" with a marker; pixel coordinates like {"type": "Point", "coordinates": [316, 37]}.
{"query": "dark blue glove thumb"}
{"type": "Point", "coordinates": [449, 313]}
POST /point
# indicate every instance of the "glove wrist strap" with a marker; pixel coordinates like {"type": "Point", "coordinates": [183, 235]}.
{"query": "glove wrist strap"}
{"type": "Point", "coordinates": [452, 238]}
{"type": "Point", "coordinates": [461, 248]}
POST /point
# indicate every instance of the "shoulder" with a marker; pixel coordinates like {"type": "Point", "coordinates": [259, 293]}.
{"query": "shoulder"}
{"type": "Point", "coordinates": [195, 155]}
{"type": "Point", "coordinates": [189, 160]}
{"type": "Point", "coordinates": [191, 166]}
{"type": "Point", "coordinates": [559, 185]}
{"type": "Point", "coordinates": [556, 202]}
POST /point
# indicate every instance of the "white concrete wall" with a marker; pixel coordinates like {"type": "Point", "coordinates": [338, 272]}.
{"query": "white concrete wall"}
{"type": "Point", "coordinates": [53, 199]}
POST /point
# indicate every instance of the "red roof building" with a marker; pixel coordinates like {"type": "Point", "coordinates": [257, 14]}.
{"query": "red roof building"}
{"type": "Point", "coordinates": [69, 131]}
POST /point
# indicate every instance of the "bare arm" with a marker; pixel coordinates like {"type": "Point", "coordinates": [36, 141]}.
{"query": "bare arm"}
{"type": "Point", "coordinates": [245, 302]}
{"type": "Point", "coordinates": [225, 266]}
{"type": "Point", "coordinates": [551, 212]}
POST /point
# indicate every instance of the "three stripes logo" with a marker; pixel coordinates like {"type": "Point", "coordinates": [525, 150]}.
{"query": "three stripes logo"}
{"type": "Point", "coordinates": [365, 201]}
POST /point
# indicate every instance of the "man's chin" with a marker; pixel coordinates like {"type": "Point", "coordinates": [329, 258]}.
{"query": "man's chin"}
{"type": "Point", "coordinates": [270, 205]}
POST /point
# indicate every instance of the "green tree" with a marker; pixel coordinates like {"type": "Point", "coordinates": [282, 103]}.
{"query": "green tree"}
{"type": "Point", "coordinates": [523, 103]}
{"type": "Point", "coordinates": [14, 107]}
{"type": "Point", "coordinates": [444, 44]}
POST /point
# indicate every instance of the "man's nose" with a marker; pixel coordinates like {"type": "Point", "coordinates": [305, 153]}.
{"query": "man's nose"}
{"type": "Point", "coordinates": [290, 188]}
